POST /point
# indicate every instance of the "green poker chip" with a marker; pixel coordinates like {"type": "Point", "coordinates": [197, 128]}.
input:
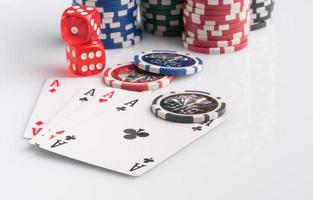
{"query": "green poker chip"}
{"type": "Point", "coordinates": [160, 17]}
{"type": "Point", "coordinates": [164, 33]}
{"type": "Point", "coordinates": [162, 11]}
{"type": "Point", "coordinates": [163, 7]}
{"type": "Point", "coordinates": [163, 2]}
{"type": "Point", "coordinates": [163, 28]}
{"type": "Point", "coordinates": [164, 23]}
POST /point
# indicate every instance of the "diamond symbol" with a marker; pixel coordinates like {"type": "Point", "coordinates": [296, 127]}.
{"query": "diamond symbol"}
{"type": "Point", "coordinates": [52, 90]}
{"type": "Point", "coordinates": [39, 123]}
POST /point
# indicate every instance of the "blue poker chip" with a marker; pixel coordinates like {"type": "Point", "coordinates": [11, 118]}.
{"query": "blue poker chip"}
{"type": "Point", "coordinates": [110, 5]}
{"type": "Point", "coordinates": [121, 13]}
{"type": "Point", "coordinates": [125, 19]}
{"type": "Point", "coordinates": [114, 44]}
{"type": "Point", "coordinates": [166, 62]}
{"type": "Point", "coordinates": [112, 35]}
{"type": "Point", "coordinates": [118, 27]}
{"type": "Point", "coordinates": [113, 2]}
{"type": "Point", "coordinates": [117, 36]}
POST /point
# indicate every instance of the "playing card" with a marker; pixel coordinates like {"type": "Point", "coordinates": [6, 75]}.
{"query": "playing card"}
{"type": "Point", "coordinates": [88, 103]}
{"type": "Point", "coordinates": [129, 141]}
{"type": "Point", "coordinates": [55, 93]}
{"type": "Point", "coordinates": [78, 102]}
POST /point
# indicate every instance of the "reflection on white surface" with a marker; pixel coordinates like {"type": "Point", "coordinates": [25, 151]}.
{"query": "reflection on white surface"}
{"type": "Point", "coordinates": [248, 84]}
{"type": "Point", "coordinates": [254, 102]}
{"type": "Point", "coordinates": [262, 151]}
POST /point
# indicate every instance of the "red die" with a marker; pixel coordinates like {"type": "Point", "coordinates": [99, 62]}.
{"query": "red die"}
{"type": "Point", "coordinates": [80, 24]}
{"type": "Point", "coordinates": [86, 59]}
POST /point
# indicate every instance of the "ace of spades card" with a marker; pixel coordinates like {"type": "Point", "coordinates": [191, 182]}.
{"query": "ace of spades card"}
{"type": "Point", "coordinates": [130, 142]}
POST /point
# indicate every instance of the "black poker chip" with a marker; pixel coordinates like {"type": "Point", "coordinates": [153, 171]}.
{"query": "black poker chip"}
{"type": "Point", "coordinates": [261, 13]}
{"type": "Point", "coordinates": [188, 107]}
{"type": "Point", "coordinates": [259, 25]}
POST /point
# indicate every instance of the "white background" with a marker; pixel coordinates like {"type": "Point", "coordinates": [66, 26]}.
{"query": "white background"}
{"type": "Point", "coordinates": [263, 151]}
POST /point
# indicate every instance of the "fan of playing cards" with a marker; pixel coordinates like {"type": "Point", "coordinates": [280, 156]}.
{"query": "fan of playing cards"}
{"type": "Point", "coordinates": [124, 131]}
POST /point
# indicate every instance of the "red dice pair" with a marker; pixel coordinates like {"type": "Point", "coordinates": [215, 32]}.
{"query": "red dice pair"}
{"type": "Point", "coordinates": [80, 29]}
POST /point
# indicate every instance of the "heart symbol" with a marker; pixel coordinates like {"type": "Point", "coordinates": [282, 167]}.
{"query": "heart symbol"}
{"type": "Point", "coordinates": [102, 100]}
{"type": "Point", "coordinates": [59, 132]}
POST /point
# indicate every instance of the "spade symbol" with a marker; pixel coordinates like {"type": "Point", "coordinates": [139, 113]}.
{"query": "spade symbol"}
{"type": "Point", "coordinates": [84, 99]}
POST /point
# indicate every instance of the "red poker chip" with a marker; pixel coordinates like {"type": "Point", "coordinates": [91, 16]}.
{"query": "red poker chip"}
{"type": "Point", "coordinates": [197, 22]}
{"type": "Point", "coordinates": [229, 36]}
{"type": "Point", "coordinates": [216, 26]}
{"type": "Point", "coordinates": [245, 28]}
{"type": "Point", "coordinates": [229, 6]}
{"type": "Point", "coordinates": [129, 77]}
{"type": "Point", "coordinates": [226, 18]}
{"type": "Point", "coordinates": [218, 2]}
{"type": "Point", "coordinates": [226, 37]}
{"type": "Point", "coordinates": [218, 50]}
{"type": "Point", "coordinates": [187, 20]}
{"type": "Point", "coordinates": [212, 43]}
{"type": "Point", "coordinates": [215, 12]}
{"type": "Point", "coordinates": [219, 27]}
{"type": "Point", "coordinates": [201, 21]}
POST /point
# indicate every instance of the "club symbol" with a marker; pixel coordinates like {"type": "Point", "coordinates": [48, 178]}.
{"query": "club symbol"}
{"type": "Point", "coordinates": [133, 133]}
{"type": "Point", "coordinates": [123, 108]}
{"type": "Point", "coordinates": [70, 137]}
{"type": "Point", "coordinates": [148, 160]}
{"type": "Point", "coordinates": [83, 99]}
{"type": "Point", "coordinates": [197, 128]}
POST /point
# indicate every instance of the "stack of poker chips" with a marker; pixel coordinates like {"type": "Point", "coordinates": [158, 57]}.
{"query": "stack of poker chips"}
{"type": "Point", "coordinates": [162, 17]}
{"type": "Point", "coordinates": [216, 26]}
{"type": "Point", "coordinates": [119, 25]}
{"type": "Point", "coordinates": [261, 12]}
{"type": "Point", "coordinates": [152, 70]}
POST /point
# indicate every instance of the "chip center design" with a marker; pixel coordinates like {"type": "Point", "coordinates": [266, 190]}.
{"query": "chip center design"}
{"type": "Point", "coordinates": [168, 60]}
{"type": "Point", "coordinates": [189, 104]}
{"type": "Point", "coordinates": [133, 75]}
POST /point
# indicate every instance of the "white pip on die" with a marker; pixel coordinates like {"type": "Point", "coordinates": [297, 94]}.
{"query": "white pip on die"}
{"type": "Point", "coordinates": [80, 25]}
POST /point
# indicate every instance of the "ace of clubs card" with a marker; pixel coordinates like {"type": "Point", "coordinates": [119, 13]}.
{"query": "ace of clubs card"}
{"type": "Point", "coordinates": [130, 142]}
